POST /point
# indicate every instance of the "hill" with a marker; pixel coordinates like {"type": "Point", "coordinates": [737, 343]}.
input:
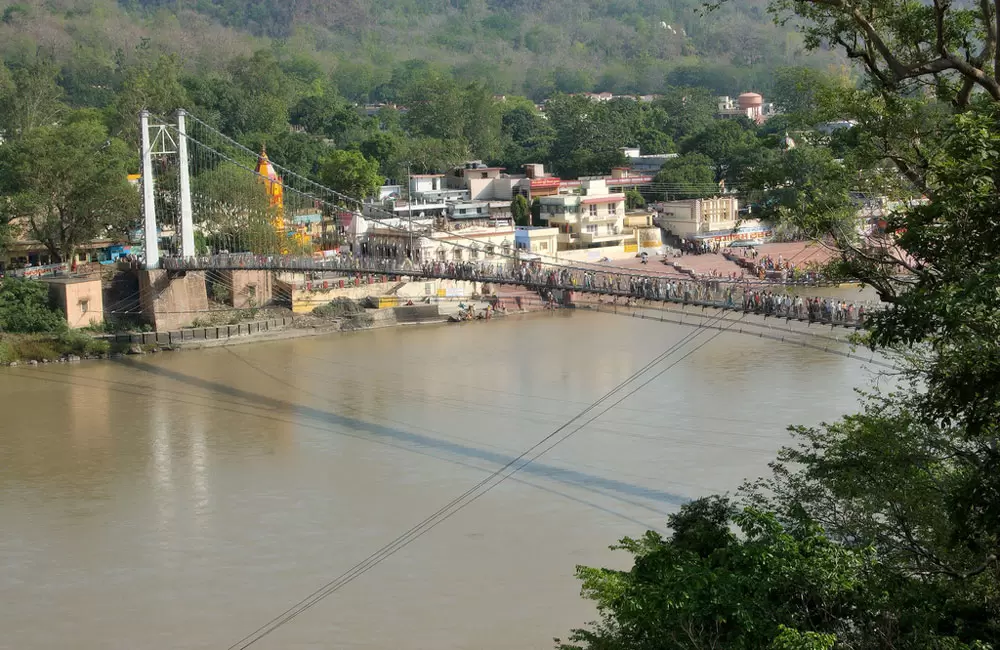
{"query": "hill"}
{"type": "Point", "coordinates": [366, 48]}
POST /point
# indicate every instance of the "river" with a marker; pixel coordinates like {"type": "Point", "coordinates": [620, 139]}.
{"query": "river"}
{"type": "Point", "coordinates": [182, 500]}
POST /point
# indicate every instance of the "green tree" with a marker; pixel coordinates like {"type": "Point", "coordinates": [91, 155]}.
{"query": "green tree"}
{"type": "Point", "coordinates": [911, 484]}
{"type": "Point", "coordinates": [688, 176]}
{"type": "Point", "coordinates": [804, 186]}
{"type": "Point", "coordinates": [32, 100]}
{"type": "Point", "coordinates": [235, 212]}
{"type": "Point", "coordinates": [385, 148]}
{"type": "Point", "coordinates": [634, 199]}
{"type": "Point", "coordinates": [299, 152]}
{"type": "Point", "coordinates": [726, 143]}
{"type": "Point", "coordinates": [350, 173]}
{"type": "Point", "coordinates": [24, 307]}
{"type": "Point", "coordinates": [441, 109]}
{"type": "Point", "coordinates": [69, 183]}
{"type": "Point", "coordinates": [520, 210]}
{"type": "Point", "coordinates": [526, 135]}
{"type": "Point", "coordinates": [706, 587]}
{"type": "Point", "coordinates": [808, 96]}
{"type": "Point", "coordinates": [589, 136]}
{"type": "Point", "coordinates": [325, 115]}
{"type": "Point", "coordinates": [154, 87]}
{"type": "Point", "coordinates": [429, 155]}
{"type": "Point", "coordinates": [688, 111]}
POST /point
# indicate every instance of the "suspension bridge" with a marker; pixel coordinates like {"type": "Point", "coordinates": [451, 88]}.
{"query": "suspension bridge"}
{"type": "Point", "coordinates": [212, 205]}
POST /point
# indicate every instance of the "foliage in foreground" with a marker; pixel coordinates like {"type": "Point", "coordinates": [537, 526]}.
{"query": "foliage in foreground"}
{"type": "Point", "coordinates": [881, 530]}
{"type": "Point", "coordinates": [708, 587]}
{"type": "Point", "coordinates": [24, 308]}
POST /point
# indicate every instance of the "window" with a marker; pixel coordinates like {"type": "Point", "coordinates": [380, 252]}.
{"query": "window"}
{"type": "Point", "coordinates": [593, 210]}
{"type": "Point", "coordinates": [84, 306]}
{"type": "Point", "coordinates": [491, 250]}
{"type": "Point", "coordinates": [592, 229]}
{"type": "Point", "coordinates": [543, 245]}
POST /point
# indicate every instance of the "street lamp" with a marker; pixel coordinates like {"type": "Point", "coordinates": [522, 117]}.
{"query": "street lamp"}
{"type": "Point", "coordinates": [409, 207]}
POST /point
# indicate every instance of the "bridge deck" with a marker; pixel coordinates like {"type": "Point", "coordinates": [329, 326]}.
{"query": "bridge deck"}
{"type": "Point", "coordinates": [548, 281]}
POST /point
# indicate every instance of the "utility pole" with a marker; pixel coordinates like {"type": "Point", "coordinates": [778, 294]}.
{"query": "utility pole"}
{"type": "Point", "coordinates": [187, 220]}
{"type": "Point", "coordinates": [151, 234]}
{"type": "Point", "coordinates": [409, 209]}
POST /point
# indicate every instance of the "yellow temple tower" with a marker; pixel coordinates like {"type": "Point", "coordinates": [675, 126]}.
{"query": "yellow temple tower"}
{"type": "Point", "coordinates": [274, 188]}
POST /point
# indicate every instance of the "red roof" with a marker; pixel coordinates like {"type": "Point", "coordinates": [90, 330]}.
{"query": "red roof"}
{"type": "Point", "coordinates": [603, 199]}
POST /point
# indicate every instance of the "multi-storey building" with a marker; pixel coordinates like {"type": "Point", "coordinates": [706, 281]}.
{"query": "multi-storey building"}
{"type": "Point", "coordinates": [590, 219]}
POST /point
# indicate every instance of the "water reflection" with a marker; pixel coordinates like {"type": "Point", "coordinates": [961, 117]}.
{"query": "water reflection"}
{"type": "Point", "coordinates": [192, 496]}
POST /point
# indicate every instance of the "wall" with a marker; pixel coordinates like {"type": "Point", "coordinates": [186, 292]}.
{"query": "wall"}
{"type": "Point", "coordinates": [680, 217]}
{"type": "Point", "coordinates": [71, 296]}
{"type": "Point", "coordinates": [249, 288]}
{"type": "Point", "coordinates": [169, 300]}
{"type": "Point", "coordinates": [305, 300]}
{"type": "Point", "coordinates": [191, 334]}
{"type": "Point", "coordinates": [590, 254]}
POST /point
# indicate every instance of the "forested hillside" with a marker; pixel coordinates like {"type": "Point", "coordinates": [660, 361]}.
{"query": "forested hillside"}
{"type": "Point", "coordinates": [529, 47]}
{"type": "Point", "coordinates": [75, 75]}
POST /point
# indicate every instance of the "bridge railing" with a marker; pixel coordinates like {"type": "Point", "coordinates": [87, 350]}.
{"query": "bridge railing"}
{"type": "Point", "coordinates": [617, 284]}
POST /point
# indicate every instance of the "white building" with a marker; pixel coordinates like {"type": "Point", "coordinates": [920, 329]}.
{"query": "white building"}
{"type": "Point", "coordinates": [748, 105]}
{"type": "Point", "coordinates": [711, 219]}
{"type": "Point", "coordinates": [646, 163]}
{"type": "Point", "coordinates": [590, 219]}
{"type": "Point", "coordinates": [392, 237]}
{"type": "Point", "coordinates": [534, 241]}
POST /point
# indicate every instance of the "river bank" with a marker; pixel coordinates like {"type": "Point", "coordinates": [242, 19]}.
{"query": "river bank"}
{"type": "Point", "coordinates": [73, 347]}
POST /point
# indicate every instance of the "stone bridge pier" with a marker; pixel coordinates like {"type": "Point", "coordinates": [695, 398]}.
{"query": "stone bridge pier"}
{"type": "Point", "coordinates": [248, 288]}
{"type": "Point", "coordinates": [174, 299]}
{"type": "Point", "coordinates": [171, 300]}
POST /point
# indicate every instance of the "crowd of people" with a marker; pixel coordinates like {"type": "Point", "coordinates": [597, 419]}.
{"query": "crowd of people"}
{"type": "Point", "coordinates": [809, 308]}
{"type": "Point", "coordinates": [615, 283]}
{"type": "Point", "coordinates": [777, 268]}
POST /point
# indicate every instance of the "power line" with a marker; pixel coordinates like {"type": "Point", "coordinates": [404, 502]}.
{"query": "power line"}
{"type": "Point", "coordinates": [470, 495]}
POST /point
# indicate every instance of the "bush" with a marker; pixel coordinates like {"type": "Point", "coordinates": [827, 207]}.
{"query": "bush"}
{"type": "Point", "coordinates": [339, 308]}
{"type": "Point", "coordinates": [7, 353]}
{"type": "Point", "coordinates": [37, 350]}
{"type": "Point", "coordinates": [79, 343]}
{"type": "Point", "coordinates": [24, 308]}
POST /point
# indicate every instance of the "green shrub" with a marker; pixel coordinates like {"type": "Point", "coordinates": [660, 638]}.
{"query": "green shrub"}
{"type": "Point", "coordinates": [98, 347]}
{"type": "Point", "coordinates": [7, 353]}
{"type": "Point", "coordinates": [24, 308]}
{"type": "Point", "coordinates": [339, 308]}
{"type": "Point", "coordinates": [74, 342]}
{"type": "Point", "coordinates": [82, 344]}
{"type": "Point", "coordinates": [37, 350]}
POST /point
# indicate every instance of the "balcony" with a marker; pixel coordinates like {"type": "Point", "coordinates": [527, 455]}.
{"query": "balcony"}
{"type": "Point", "coordinates": [601, 237]}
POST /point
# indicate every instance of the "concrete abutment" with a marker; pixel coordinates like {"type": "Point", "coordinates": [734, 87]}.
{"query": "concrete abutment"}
{"type": "Point", "coordinates": [171, 300]}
